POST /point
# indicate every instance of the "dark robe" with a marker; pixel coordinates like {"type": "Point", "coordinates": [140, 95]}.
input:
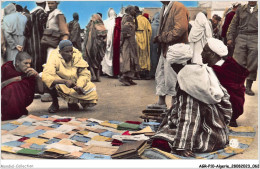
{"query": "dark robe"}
{"type": "Point", "coordinates": [227, 22]}
{"type": "Point", "coordinates": [116, 46]}
{"type": "Point", "coordinates": [95, 43]}
{"type": "Point", "coordinates": [16, 96]}
{"type": "Point", "coordinates": [34, 34]}
{"type": "Point", "coordinates": [74, 29]}
{"type": "Point", "coordinates": [232, 76]}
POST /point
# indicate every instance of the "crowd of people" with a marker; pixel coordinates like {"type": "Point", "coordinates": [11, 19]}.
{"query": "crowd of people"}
{"type": "Point", "coordinates": [202, 65]}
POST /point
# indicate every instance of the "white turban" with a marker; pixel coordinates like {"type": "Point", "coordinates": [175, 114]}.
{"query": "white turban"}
{"type": "Point", "coordinates": [218, 47]}
{"type": "Point", "coordinates": [179, 53]}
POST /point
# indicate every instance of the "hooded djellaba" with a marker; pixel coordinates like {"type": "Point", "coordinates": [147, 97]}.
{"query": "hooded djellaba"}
{"type": "Point", "coordinates": [95, 45]}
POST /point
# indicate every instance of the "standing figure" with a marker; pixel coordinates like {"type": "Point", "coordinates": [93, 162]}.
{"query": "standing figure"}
{"type": "Point", "coordinates": [116, 43]}
{"type": "Point", "coordinates": [143, 36]}
{"type": "Point", "coordinates": [215, 22]}
{"type": "Point", "coordinates": [173, 29]}
{"type": "Point", "coordinates": [154, 55]}
{"type": "Point", "coordinates": [13, 27]}
{"type": "Point", "coordinates": [128, 53]}
{"type": "Point", "coordinates": [107, 62]}
{"type": "Point", "coordinates": [57, 22]}
{"type": "Point", "coordinates": [228, 19]}
{"type": "Point", "coordinates": [199, 34]}
{"type": "Point", "coordinates": [245, 23]}
{"type": "Point", "coordinates": [74, 29]}
{"type": "Point", "coordinates": [95, 45]}
{"type": "Point", "coordinates": [38, 19]}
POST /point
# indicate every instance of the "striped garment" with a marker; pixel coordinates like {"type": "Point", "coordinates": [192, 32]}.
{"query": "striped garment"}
{"type": "Point", "coordinates": [196, 126]}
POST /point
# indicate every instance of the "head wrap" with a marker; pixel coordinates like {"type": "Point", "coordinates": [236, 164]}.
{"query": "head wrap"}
{"type": "Point", "coordinates": [235, 4]}
{"type": "Point", "coordinates": [179, 53]}
{"type": "Point", "coordinates": [146, 15]}
{"type": "Point", "coordinates": [75, 15]}
{"type": "Point", "coordinates": [218, 47]}
{"type": "Point", "coordinates": [10, 8]}
{"type": "Point", "coordinates": [64, 43]}
{"type": "Point", "coordinates": [40, 2]}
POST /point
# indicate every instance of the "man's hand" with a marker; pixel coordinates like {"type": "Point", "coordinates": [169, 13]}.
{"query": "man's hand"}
{"type": "Point", "coordinates": [31, 72]}
{"type": "Point", "coordinates": [230, 43]}
{"type": "Point", "coordinates": [70, 83]}
{"type": "Point", "coordinates": [19, 48]}
{"type": "Point", "coordinates": [79, 90]}
{"type": "Point", "coordinates": [155, 39]}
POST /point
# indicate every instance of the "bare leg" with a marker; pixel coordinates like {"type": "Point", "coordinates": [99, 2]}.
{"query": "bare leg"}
{"type": "Point", "coordinates": [161, 100]}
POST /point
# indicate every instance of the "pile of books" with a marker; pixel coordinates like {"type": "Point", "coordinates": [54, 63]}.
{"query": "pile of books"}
{"type": "Point", "coordinates": [130, 150]}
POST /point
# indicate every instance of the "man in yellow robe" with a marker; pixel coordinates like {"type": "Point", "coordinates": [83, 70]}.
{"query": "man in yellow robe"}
{"type": "Point", "coordinates": [66, 75]}
{"type": "Point", "coordinates": [143, 37]}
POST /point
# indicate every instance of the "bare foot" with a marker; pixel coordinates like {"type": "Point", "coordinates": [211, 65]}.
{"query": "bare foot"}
{"type": "Point", "coordinates": [185, 153]}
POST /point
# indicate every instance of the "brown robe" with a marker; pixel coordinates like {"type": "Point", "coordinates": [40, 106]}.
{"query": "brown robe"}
{"type": "Point", "coordinates": [128, 49]}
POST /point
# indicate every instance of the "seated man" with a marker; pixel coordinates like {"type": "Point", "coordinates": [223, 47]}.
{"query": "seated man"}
{"type": "Point", "coordinates": [66, 74]}
{"type": "Point", "coordinates": [198, 120]}
{"type": "Point", "coordinates": [18, 86]}
{"type": "Point", "coordinates": [231, 75]}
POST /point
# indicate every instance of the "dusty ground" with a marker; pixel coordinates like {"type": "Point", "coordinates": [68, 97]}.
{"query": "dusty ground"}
{"type": "Point", "coordinates": [117, 102]}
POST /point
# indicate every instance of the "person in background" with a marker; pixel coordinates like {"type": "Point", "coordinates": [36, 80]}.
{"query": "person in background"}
{"type": "Point", "coordinates": [18, 83]}
{"type": "Point", "coordinates": [231, 75]}
{"type": "Point", "coordinates": [147, 16]}
{"type": "Point", "coordinates": [128, 48]}
{"type": "Point", "coordinates": [199, 34]}
{"type": "Point", "coordinates": [3, 41]}
{"type": "Point", "coordinates": [38, 19]}
{"type": "Point", "coordinates": [107, 62]}
{"type": "Point", "coordinates": [95, 45]}
{"type": "Point", "coordinates": [154, 56]}
{"type": "Point", "coordinates": [66, 74]}
{"type": "Point", "coordinates": [173, 29]}
{"type": "Point", "coordinates": [243, 32]}
{"type": "Point", "coordinates": [143, 36]}
{"type": "Point", "coordinates": [116, 43]}
{"type": "Point", "coordinates": [13, 29]}
{"type": "Point", "coordinates": [74, 29]}
{"type": "Point", "coordinates": [100, 14]}
{"type": "Point", "coordinates": [228, 19]}
{"type": "Point", "coordinates": [56, 21]}
{"type": "Point", "coordinates": [215, 25]}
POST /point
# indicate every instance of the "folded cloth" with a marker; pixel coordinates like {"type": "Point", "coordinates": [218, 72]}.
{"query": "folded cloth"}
{"type": "Point", "coordinates": [128, 126]}
{"type": "Point", "coordinates": [200, 82]}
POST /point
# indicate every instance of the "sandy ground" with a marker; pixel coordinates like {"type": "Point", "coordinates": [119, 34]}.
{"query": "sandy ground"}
{"type": "Point", "coordinates": [117, 102]}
